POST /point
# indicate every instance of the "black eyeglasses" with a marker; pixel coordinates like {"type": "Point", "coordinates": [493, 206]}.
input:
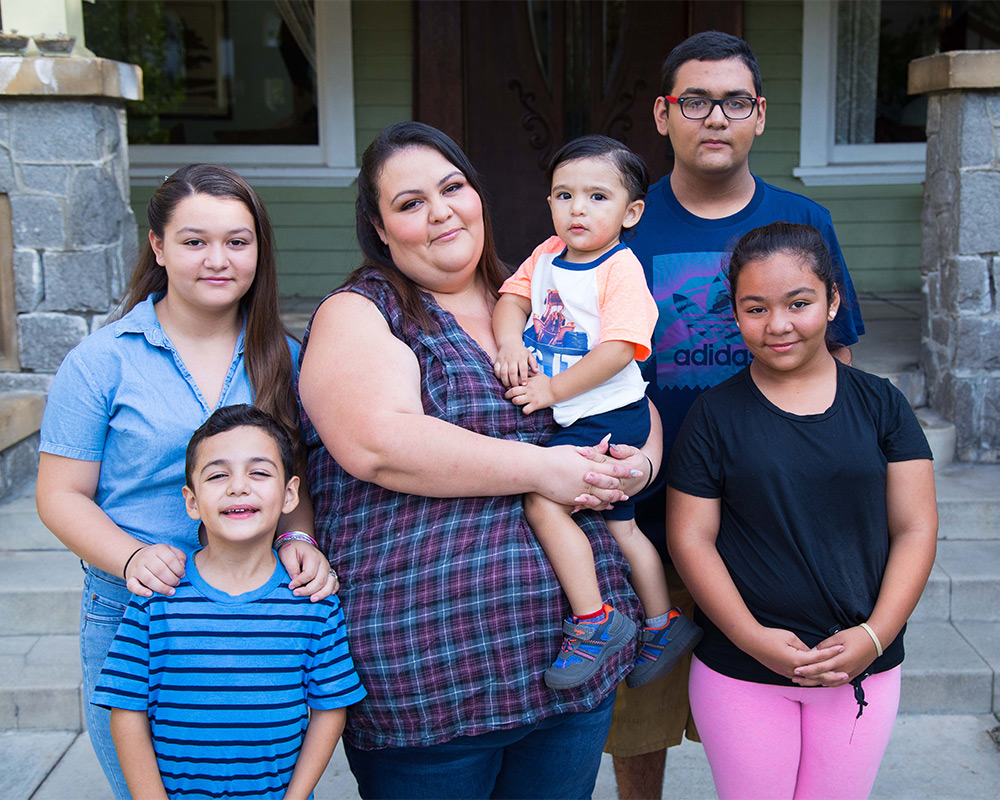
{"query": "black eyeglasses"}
{"type": "Point", "coordinates": [701, 107]}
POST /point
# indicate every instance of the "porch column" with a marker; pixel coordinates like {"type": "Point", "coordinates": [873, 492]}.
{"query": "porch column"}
{"type": "Point", "coordinates": [67, 234]}
{"type": "Point", "coordinates": [960, 254]}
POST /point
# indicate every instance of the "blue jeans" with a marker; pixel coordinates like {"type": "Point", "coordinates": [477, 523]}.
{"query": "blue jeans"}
{"type": "Point", "coordinates": [104, 601]}
{"type": "Point", "coordinates": [557, 757]}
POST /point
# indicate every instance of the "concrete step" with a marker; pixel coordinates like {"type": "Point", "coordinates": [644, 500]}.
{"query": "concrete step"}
{"type": "Point", "coordinates": [968, 498]}
{"type": "Point", "coordinates": [941, 436]}
{"type": "Point", "coordinates": [40, 681]}
{"type": "Point", "coordinates": [973, 569]}
{"type": "Point", "coordinates": [943, 673]}
{"type": "Point", "coordinates": [39, 592]}
{"type": "Point", "coordinates": [20, 527]}
{"type": "Point", "coordinates": [935, 602]}
{"type": "Point", "coordinates": [984, 638]}
{"type": "Point", "coordinates": [910, 381]}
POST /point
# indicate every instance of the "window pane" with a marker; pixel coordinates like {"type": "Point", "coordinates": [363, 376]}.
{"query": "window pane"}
{"type": "Point", "coordinates": [876, 42]}
{"type": "Point", "coordinates": [214, 71]}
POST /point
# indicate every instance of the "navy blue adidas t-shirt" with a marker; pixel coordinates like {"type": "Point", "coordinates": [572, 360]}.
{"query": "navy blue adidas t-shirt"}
{"type": "Point", "coordinates": [696, 343]}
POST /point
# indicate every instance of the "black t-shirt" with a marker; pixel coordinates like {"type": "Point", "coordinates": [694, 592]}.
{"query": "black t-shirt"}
{"type": "Point", "coordinates": [803, 528]}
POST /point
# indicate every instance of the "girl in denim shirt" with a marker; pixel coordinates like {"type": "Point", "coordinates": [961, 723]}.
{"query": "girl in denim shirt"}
{"type": "Point", "coordinates": [200, 330]}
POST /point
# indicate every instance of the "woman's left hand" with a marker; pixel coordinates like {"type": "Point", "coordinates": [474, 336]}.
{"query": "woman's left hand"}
{"type": "Point", "coordinates": [310, 572]}
{"type": "Point", "coordinates": [858, 653]}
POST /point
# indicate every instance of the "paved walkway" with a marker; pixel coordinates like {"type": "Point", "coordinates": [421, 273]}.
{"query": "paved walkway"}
{"type": "Point", "coordinates": [930, 757]}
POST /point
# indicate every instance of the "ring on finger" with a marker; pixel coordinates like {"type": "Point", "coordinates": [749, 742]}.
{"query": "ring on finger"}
{"type": "Point", "coordinates": [333, 574]}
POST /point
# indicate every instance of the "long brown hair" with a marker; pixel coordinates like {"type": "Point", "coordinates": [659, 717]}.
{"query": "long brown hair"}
{"type": "Point", "coordinates": [266, 355]}
{"type": "Point", "coordinates": [375, 252]}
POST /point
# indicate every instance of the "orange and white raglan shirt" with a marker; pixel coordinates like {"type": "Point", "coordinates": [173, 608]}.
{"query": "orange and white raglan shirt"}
{"type": "Point", "coordinates": [575, 307]}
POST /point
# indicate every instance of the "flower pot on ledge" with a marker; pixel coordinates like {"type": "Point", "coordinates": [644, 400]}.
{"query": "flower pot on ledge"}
{"type": "Point", "coordinates": [59, 45]}
{"type": "Point", "coordinates": [13, 44]}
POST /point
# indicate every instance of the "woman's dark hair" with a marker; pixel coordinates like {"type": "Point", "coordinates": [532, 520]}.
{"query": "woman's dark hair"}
{"type": "Point", "coordinates": [375, 253]}
{"type": "Point", "coordinates": [709, 46]}
{"type": "Point", "coordinates": [800, 241]}
{"type": "Point", "coordinates": [631, 168]}
{"type": "Point", "coordinates": [239, 416]}
{"type": "Point", "coordinates": [268, 361]}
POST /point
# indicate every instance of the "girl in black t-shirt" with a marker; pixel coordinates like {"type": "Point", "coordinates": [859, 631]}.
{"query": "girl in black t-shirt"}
{"type": "Point", "coordinates": [801, 514]}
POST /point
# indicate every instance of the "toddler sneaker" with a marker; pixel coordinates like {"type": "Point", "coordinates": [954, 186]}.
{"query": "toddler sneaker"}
{"type": "Point", "coordinates": [588, 645]}
{"type": "Point", "coordinates": [661, 648]}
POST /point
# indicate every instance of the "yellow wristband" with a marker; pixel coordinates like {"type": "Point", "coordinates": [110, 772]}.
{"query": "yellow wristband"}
{"type": "Point", "coordinates": [878, 644]}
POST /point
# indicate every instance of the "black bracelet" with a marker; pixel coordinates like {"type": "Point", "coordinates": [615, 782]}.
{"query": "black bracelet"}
{"type": "Point", "coordinates": [125, 568]}
{"type": "Point", "coordinates": [649, 480]}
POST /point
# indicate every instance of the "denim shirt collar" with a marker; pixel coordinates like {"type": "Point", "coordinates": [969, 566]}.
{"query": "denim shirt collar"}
{"type": "Point", "coordinates": [142, 319]}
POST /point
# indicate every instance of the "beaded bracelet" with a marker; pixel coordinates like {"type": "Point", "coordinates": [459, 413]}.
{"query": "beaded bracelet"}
{"type": "Point", "coordinates": [294, 536]}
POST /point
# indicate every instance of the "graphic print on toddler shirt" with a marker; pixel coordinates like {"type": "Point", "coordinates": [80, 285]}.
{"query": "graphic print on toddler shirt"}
{"type": "Point", "coordinates": [554, 339]}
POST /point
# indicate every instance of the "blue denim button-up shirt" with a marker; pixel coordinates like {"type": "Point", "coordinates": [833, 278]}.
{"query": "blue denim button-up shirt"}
{"type": "Point", "coordinates": [124, 397]}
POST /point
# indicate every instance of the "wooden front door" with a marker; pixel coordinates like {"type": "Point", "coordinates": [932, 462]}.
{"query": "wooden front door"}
{"type": "Point", "coordinates": [514, 80]}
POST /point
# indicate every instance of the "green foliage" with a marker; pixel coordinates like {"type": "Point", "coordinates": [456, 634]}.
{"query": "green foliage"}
{"type": "Point", "coordinates": [141, 32]}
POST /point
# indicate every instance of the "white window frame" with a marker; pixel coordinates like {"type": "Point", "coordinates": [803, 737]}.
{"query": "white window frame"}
{"type": "Point", "coordinates": [821, 161]}
{"type": "Point", "coordinates": [332, 162]}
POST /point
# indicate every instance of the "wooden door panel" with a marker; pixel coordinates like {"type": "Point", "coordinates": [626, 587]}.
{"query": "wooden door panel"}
{"type": "Point", "coordinates": [513, 80]}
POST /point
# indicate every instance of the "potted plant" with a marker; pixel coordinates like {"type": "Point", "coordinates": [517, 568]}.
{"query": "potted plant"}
{"type": "Point", "coordinates": [58, 45]}
{"type": "Point", "coordinates": [12, 43]}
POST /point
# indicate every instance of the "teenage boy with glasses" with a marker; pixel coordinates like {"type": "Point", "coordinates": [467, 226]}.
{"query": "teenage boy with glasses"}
{"type": "Point", "coordinates": [711, 109]}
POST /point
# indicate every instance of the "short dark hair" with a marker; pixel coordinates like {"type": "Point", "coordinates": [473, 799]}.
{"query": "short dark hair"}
{"type": "Point", "coordinates": [631, 168]}
{"type": "Point", "coordinates": [801, 241]}
{"type": "Point", "coordinates": [709, 46]}
{"type": "Point", "coordinates": [239, 416]}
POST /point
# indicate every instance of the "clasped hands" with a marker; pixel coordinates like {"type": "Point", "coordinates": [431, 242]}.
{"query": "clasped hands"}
{"type": "Point", "coordinates": [835, 661]}
{"type": "Point", "coordinates": [617, 470]}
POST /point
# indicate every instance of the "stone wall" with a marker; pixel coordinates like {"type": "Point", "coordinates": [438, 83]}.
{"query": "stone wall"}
{"type": "Point", "coordinates": [64, 165]}
{"type": "Point", "coordinates": [64, 169]}
{"type": "Point", "coordinates": [961, 246]}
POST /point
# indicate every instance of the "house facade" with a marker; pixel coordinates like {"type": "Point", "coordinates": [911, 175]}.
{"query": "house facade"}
{"type": "Point", "coordinates": [289, 92]}
{"type": "Point", "coordinates": [383, 61]}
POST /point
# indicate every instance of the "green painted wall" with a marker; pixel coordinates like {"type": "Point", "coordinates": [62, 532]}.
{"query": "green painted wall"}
{"type": "Point", "coordinates": [878, 226]}
{"type": "Point", "coordinates": [314, 227]}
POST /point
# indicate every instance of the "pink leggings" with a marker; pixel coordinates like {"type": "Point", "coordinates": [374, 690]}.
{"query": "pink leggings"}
{"type": "Point", "coordinates": [766, 741]}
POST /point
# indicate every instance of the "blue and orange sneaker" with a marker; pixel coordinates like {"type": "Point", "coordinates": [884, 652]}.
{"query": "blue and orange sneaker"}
{"type": "Point", "coordinates": [660, 649]}
{"type": "Point", "coordinates": [588, 645]}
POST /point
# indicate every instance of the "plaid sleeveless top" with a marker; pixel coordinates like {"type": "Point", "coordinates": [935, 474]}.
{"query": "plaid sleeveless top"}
{"type": "Point", "coordinates": [453, 611]}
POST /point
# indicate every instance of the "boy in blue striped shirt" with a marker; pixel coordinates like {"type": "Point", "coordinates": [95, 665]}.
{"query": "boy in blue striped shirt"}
{"type": "Point", "coordinates": [232, 686]}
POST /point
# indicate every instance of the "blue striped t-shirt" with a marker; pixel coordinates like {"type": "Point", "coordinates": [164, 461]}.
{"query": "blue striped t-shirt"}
{"type": "Point", "coordinates": [226, 681]}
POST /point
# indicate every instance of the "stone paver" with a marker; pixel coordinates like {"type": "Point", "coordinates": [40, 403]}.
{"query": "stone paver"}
{"type": "Point", "coordinates": [76, 776]}
{"type": "Point", "coordinates": [930, 757]}
{"type": "Point", "coordinates": [27, 758]}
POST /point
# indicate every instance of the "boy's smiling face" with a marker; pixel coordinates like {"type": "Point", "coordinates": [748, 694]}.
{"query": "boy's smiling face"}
{"type": "Point", "coordinates": [239, 489]}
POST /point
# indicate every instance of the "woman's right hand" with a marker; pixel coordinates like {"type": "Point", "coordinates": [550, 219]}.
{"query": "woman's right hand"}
{"type": "Point", "coordinates": [783, 652]}
{"type": "Point", "coordinates": [155, 568]}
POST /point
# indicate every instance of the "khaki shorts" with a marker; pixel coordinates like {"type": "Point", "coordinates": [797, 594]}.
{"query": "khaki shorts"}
{"type": "Point", "coordinates": [655, 716]}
